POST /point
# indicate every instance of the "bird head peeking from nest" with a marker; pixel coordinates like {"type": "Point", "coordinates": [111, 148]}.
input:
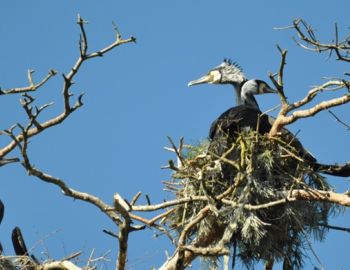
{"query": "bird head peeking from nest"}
{"type": "Point", "coordinates": [229, 72]}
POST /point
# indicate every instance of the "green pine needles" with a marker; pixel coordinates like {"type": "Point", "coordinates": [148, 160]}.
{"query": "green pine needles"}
{"type": "Point", "coordinates": [241, 187]}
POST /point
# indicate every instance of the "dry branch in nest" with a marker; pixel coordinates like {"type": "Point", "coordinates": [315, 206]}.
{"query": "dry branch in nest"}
{"type": "Point", "coordinates": [241, 209]}
{"type": "Point", "coordinates": [27, 263]}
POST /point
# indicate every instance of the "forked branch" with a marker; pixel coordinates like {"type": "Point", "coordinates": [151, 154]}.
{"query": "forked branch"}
{"type": "Point", "coordinates": [286, 115]}
{"type": "Point", "coordinates": [308, 40]}
{"type": "Point", "coordinates": [32, 86]}
{"type": "Point", "coordinates": [67, 83]}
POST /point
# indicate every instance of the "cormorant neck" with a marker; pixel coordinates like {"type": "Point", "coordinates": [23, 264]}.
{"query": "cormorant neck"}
{"type": "Point", "coordinates": [238, 89]}
{"type": "Point", "coordinates": [249, 100]}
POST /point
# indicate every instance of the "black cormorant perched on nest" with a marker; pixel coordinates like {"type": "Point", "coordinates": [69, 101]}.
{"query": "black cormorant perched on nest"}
{"type": "Point", "coordinates": [247, 113]}
{"type": "Point", "coordinates": [244, 115]}
{"type": "Point", "coordinates": [261, 171]}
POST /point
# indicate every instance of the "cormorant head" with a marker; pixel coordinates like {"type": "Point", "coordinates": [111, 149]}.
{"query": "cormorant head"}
{"type": "Point", "coordinates": [254, 87]}
{"type": "Point", "coordinates": [227, 72]}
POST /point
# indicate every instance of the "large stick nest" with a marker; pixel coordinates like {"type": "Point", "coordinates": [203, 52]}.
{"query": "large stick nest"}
{"type": "Point", "coordinates": [257, 170]}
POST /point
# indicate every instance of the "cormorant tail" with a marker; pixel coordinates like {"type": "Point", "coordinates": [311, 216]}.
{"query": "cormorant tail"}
{"type": "Point", "coordinates": [336, 170]}
{"type": "Point", "coordinates": [2, 211]}
{"type": "Point", "coordinates": [18, 242]}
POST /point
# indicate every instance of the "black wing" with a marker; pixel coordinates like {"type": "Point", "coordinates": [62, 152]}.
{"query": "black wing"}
{"type": "Point", "coordinates": [238, 118]}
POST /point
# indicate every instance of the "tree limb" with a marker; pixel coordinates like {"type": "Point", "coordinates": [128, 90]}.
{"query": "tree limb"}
{"type": "Point", "coordinates": [67, 83]}
{"type": "Point", "coordinates": [32, 86]}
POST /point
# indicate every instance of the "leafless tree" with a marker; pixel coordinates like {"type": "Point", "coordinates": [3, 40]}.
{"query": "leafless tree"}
{"type": "Point", "coordinates": [128, 215]}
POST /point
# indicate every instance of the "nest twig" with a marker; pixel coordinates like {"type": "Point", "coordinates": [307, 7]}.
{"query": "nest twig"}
{"type": "Point", "coordinates": [255, 170]}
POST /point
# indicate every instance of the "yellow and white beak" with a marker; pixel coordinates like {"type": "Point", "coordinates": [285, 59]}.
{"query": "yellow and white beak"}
{"type": "Point", "coordinates": [212, 77]}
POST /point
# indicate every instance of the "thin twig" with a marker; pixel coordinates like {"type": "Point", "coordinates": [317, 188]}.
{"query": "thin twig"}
{"type": "Point", "coordinates": [339, 120]}
{"type": "Point", "coordinates": [337, 228]}
{"type": "Point", "coordinates": [135, 198]}
{"type": "Point", "coordinates": [32, 86]}
{"type": "Point", "coordinates": [68, 82]}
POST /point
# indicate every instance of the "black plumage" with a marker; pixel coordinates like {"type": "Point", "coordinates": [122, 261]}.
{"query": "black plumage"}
{"type": "Point", "coordinates": [248, 115]}
{"type": "Point", "coordinates": [233, 121]}
{"type": "Point", "coordinates": [238, 118]}
{"type": "Point", "coordinates": [261, 169]}
{"type": "Point", "coordinates": [18, 242]}
{"type": "Point", "coordinates": [224, 130]}
{"type": "Point", "coordinates": [21, 250]}
{"type": "Point", "coordinates": [2, 211]}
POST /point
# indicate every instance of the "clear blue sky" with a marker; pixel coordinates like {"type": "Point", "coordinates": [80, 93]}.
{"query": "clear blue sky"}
{"type": "Point", "coordinates": [137, 95]}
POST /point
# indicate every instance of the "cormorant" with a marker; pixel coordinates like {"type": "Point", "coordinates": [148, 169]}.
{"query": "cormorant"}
{"type": "Point", "coordinates": [248, 114]}
{"type": "Point", "coordinates": [223, 133]}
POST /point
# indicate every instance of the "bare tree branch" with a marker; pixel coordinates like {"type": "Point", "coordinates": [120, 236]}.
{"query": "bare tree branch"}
{"type": "Point", "coordinates": [309, 41]}
{"type": "Point", "coordinates": [105, 208]}
{"type": "Point", "coordinates": [124, 229]}
{"type": "Point", "coordinates": [68, 82]}
{"type": "Point", "coordinates": [32, 86]}
{"type": "Point", "coordinates": [339, 120]}
{"type": "Point", "coordinates": [284, 119]}
{"type": "Point", "coordinates": [60, 265]}
{"type": "Point", "coordinates": [279, 82]}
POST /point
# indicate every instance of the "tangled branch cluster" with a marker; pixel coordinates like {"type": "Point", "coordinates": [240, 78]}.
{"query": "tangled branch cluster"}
{"type": "Point", "coordinates": [265, 171]}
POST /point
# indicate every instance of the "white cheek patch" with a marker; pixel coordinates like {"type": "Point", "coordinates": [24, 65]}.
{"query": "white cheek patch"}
{"type": "Point", "coordinates": [262, 88]}
{"type": "Point", "coordinates": [216, 76]}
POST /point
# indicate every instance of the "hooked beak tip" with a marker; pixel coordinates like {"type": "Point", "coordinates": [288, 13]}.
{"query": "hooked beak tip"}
{"type": "Point", "coordinates": [204, 79]}
{"type": "Point", "coordinates": [190, 84]}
